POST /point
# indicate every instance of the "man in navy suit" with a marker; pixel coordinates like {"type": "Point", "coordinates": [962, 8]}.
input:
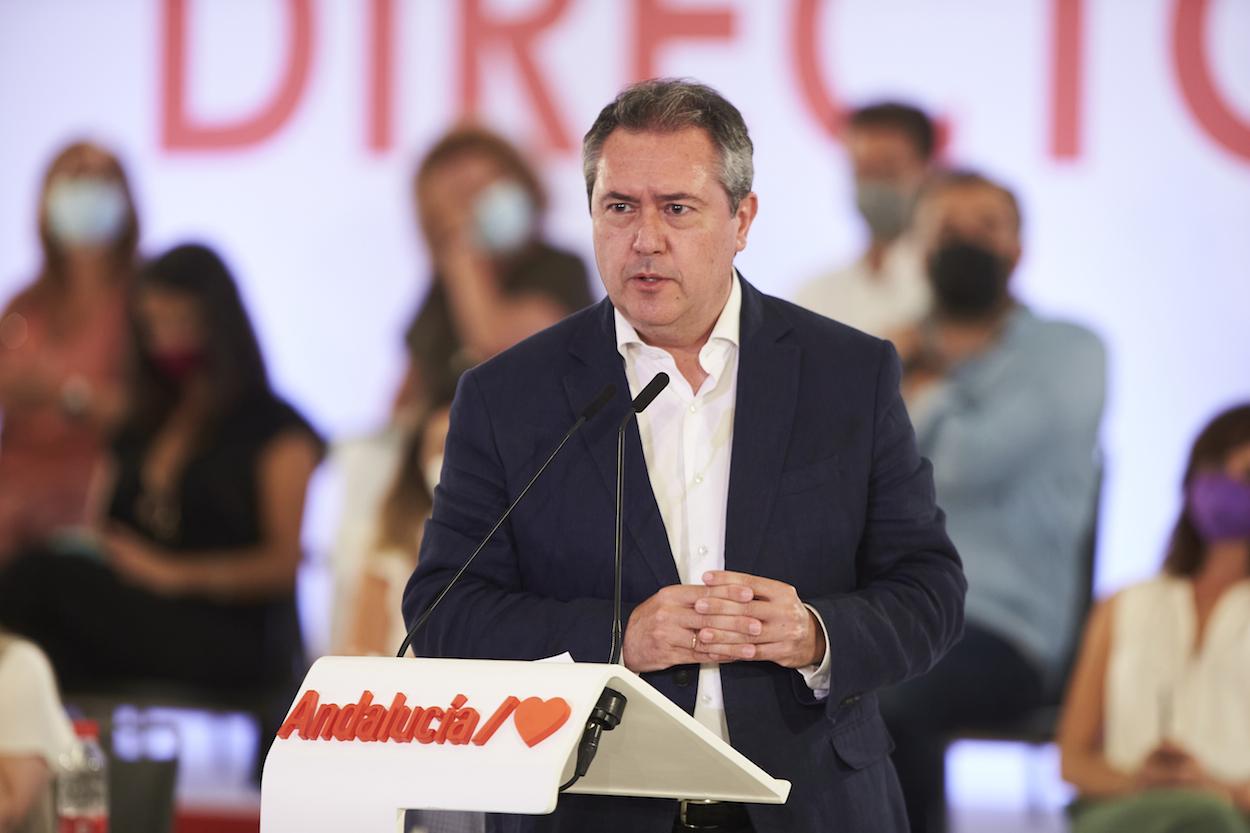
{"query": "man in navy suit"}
{"type": "Point", "coordinates": [784, 556]}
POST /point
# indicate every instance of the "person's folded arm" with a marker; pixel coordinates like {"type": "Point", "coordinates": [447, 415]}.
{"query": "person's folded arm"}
{"type": "Point", "coordinates": [1081, 724]}
{"type": "Point", "coordinates": [908, 608]}
{"type": "Point", "coordinates": [257, 572]}
{"type": "Point", "coordinates": [489, 614]}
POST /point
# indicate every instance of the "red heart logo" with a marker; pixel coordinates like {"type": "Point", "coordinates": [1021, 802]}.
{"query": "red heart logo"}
{"type": "Point", "coordinates": [537, 719]}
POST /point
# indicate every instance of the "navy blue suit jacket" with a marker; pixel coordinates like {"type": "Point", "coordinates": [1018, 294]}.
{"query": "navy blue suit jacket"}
{"type": "Point", "coordinates": [826, 492]}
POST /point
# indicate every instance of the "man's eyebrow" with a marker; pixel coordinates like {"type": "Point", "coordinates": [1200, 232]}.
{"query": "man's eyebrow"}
{"type": "Point", "coordinates": [617, 196]}
{"type": "Point", "coordinates": [681, 196]}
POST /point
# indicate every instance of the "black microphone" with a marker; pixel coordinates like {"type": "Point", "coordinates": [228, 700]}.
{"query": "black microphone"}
{"type": "Point", "coordinates": [587, 413]}
{"type": "Point", "coordinates": [645, 397]}
{"type": "Point", "coordinates": [607, 713]}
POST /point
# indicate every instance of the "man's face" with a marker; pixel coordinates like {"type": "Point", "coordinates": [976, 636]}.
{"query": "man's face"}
{"type": "Point", "coordinates": [889, 171]}
{"type": "Point", "coordinates": [971, 213]}
{"type": "Point", "coordinates": [665, 237]}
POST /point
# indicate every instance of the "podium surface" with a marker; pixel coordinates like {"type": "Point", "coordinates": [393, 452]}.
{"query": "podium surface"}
{"type": "Point", "coordinates": [368, 737]}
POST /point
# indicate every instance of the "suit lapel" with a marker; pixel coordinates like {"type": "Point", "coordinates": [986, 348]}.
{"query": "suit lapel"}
{"type": "Point", "coordinates": [598, 363]}
{"type": "Point", "coordinates": [768, 387]}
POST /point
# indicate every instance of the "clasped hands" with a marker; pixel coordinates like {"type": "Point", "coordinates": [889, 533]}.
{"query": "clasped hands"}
{"type": "Point", "coordinates": [731, 617]}
{"type": "Point", "coordinates": [1171, 766]}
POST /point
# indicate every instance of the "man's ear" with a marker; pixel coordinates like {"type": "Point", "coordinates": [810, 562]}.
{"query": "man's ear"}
{"type": "Point", "coordinates": [745, 215]}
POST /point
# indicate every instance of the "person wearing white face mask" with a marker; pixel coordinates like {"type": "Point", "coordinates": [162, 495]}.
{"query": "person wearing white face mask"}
{"type": "Point", "coordinates": [892, 150]}
{"type": "Point", "coordinates": [495, 280]}
{"type": "Point", "coordinates": [61, 346]}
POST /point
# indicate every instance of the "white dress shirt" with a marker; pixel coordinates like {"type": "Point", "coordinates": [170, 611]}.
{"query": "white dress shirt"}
{"type": "Point", "coordinates": [687, 437]}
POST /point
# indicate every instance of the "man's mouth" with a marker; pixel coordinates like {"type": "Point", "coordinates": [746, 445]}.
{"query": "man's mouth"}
{"type": "Point", "coordinates": [648, 279]}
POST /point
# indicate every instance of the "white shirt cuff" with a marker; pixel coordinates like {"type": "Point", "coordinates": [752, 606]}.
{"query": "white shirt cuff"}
{"type": "Point", "coordinates": [817, 676]}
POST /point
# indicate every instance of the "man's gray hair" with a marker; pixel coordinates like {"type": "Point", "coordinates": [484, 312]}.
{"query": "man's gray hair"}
{"type": "Point", "coordinates": [667, 105]}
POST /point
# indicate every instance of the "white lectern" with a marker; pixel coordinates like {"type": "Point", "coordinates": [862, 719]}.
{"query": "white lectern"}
{"type": "Point", "coordinates": [368, 737]}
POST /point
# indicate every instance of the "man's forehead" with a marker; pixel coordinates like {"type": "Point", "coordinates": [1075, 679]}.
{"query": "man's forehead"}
{"type": "Point", "coordinates": [660, 161]}
{"type": "Point", "coordinates": [882, 139]}
{"type": "Point", "coordinates": [974, 198]}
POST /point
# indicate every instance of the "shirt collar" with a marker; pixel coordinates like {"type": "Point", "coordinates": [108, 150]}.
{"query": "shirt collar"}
{"type": "Point", "coordinates": [727, 329]}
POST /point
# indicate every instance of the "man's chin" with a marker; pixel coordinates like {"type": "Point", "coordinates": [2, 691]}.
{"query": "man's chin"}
{"type": "Point", "coordinates": [650, 317]}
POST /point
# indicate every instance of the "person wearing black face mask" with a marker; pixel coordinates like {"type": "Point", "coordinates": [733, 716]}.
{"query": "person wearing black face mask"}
{"type": "Point", "coordinates": [1007, 406]}
{"type": "Point", "coordinates": [969, 281]}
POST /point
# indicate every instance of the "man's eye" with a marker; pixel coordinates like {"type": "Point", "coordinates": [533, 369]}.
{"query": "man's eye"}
{"type": "Point", "coordinates": [618, 207]}
{"type": "Point", "coordinates": [678, 208]}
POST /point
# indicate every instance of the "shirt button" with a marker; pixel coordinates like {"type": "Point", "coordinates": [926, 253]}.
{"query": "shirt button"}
{"type": "Point", "coordinates": [705, 699]}
{"type": "Point", "coordinates": [698, 478]}
{"type": "Point", "coordinates": [693, 408]}
{"type": "Point", "coordinates": [702, 550]}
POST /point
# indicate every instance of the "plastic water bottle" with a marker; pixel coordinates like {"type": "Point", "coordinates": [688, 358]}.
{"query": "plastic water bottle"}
{"type": "Point", "coordinates": [82, 802]}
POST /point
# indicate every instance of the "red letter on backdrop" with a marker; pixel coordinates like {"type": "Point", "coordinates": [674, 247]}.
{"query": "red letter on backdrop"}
{"type": "Point", "coordinates": [1194, 73]}
{"type": "Point", "coordinates": [480, 32]}
{"type": "Point", "coordinates": [820, 99]}
{"type": "Point", "coordinates": [380, 72]}
{"type": "Point", "coordinates": [656, 24]}
{"type": "Point", "coordinates": [1067, 65]}
{"type": "Point", "coordinates": [182, 132]}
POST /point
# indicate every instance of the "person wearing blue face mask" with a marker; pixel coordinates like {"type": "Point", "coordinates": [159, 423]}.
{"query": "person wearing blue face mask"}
{"type": "Point", "coordinates": [495, 281]}
{"type": "Point", "coordinates": [61, 347]}
{"type": "Point", "coordinates": [1155, 734]}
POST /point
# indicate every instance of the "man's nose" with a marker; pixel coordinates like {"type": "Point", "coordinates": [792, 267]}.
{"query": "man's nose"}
{"type": "Point", "coordinates": [649, 239]}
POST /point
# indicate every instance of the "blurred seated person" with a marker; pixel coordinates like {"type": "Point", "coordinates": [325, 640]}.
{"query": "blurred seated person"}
{"type": "Point", "coordinates": [375, 624]}
{"type": "Point", "coordinates": [1155, 734]}
{"type": "Point", "coordinates": [34, 735]}
{"type": "Point", "coordinates": [1007, 406]}
{"type": "Point", "coordinates": [892, 149]}
{"type": "Point", "coordinates": [62, 340]}
{"type": "Point", "coordinates": [495, 281]}
{"type": "Point", "coordinates": [191, 578]}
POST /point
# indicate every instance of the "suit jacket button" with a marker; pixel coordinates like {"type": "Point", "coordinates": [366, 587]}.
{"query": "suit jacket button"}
{"type": "Point", "coordinates": [682, 677]}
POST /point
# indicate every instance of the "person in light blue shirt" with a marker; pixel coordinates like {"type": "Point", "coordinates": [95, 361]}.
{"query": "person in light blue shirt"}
{"type": "Point", "coordinates": [1007, 406]}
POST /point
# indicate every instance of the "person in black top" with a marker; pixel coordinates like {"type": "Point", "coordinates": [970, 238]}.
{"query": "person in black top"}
{"type": "Point", "coordinates": [495, 281]}
{"type": "Point", "coordinates": [192, 580]}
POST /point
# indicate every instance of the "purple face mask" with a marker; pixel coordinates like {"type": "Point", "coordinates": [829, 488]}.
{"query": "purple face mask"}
{"type": "Point", "coordinates": [1219, 506]}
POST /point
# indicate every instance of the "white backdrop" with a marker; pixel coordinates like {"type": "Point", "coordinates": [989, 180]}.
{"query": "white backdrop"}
{"type": "Point", "coordinates": [284, 132]}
